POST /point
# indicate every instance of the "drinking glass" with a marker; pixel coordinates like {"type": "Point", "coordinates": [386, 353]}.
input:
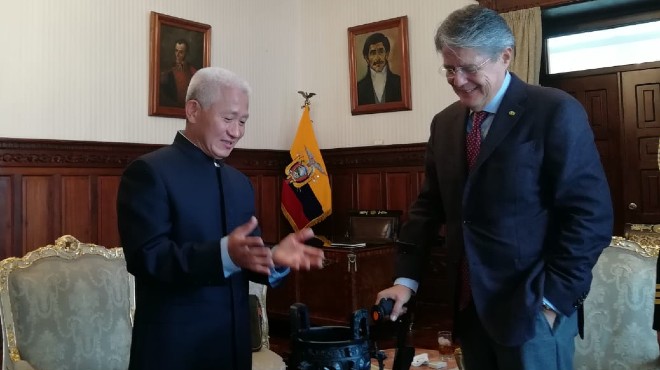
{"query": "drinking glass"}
{"type": "Point", "coordinates": [445, 345]}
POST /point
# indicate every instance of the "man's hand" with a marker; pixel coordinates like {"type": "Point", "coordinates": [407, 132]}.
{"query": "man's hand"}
{"type": "Point", "coordinates": [400, 294]}
{"type": "Point", "coordinates": [292, 252]}
{"type": "Point", "coordinates": [248, 251]}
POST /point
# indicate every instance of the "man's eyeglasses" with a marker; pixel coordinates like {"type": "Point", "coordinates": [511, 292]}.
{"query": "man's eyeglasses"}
{"type": "Point", "coordinates": [468, 70]}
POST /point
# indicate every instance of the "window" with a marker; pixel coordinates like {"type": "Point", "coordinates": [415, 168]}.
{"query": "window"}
{"type": "Point", "coordinates": [604, 48]}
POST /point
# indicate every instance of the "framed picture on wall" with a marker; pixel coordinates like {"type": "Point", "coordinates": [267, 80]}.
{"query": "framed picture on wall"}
{"type": "Point", "coordinates": [178, 49]}
{"type": "Point", "coordinates": [378, 64]}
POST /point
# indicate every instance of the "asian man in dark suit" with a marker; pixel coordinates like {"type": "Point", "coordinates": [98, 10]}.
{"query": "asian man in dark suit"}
{"type": "Point", "coordinates": [187, 225]}
{"type": "Point", "coordinates": [379, 84]}
{"type": "Point", "coordinates": [513, 173]}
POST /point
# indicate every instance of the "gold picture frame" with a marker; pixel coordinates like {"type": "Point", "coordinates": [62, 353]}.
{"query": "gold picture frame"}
{"type": "Point", "coordinates": [379, 44]}
{"type": "Point", "coordinates": [178, 49]}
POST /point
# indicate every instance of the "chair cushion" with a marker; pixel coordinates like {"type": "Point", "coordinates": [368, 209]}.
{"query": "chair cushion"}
{"type": "Point", "coordinates": [72, 314]}
{"type": "Point", "coordinates": [266, 359]}
{"type": "Point", "coordinates": [618, 314]}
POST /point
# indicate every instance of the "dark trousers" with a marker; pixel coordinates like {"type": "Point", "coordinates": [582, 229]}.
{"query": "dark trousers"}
{"type": "Point", "coordinates": [550, 349]}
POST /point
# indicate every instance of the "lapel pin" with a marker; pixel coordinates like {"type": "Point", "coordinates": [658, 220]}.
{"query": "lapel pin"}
{"type": "Point", "coordinates": [512, 113]}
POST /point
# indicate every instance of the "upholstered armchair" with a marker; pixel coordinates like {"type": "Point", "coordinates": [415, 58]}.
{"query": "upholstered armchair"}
{"type": "Point", "coordinates": [619, 310]}
{"type": "Point", "coordinates": [66, 306]}
{"type": "Point", "coordinates": [264, 358]}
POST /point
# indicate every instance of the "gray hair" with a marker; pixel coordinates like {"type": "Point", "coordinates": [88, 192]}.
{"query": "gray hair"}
{"type": "Point", "coordinates": [475, 27]}
{"type": "Point", "coordinates": [207, 85]}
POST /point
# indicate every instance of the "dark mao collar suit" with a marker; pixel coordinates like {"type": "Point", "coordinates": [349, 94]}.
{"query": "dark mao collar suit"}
{"type": "Point", "coordinates": [171, 219]}
{"type": "Point", "coordinates": [532, 216]}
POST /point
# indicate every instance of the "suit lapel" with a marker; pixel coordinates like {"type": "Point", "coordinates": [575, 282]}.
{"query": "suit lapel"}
{"type": "Point", "coordinates": [507, 116]}
{"type": "Point", "coordinates": [453, 140]}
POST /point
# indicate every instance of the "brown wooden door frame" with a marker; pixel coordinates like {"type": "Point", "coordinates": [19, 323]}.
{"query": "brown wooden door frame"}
{"type": "Point", "coordinates": [640, 97]}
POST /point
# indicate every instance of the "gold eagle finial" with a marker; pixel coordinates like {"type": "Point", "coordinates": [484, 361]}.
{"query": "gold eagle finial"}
{"type": "Point", "coordinates": [307, 96]}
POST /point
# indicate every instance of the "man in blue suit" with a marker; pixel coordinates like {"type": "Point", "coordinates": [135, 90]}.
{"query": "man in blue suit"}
{"type": "Point", "coordinates": [513, 173]}
{"type": "Point", "coordinates": [191, 240]}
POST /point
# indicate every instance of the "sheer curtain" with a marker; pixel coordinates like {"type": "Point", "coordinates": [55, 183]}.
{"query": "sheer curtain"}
{"type": "Point", "coordinates": [526, 27]}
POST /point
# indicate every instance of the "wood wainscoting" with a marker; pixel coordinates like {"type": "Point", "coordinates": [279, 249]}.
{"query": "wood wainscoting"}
{"type": "Point", "coordinates": [49, 188]}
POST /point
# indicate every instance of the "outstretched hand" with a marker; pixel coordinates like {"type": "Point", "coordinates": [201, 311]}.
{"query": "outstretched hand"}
{"type": "Point", "coordinates": [400, 294]}
{"type": "Point", "coordinates": [247, 251]}
{"type": "Point", "coordinates": [292, 252]}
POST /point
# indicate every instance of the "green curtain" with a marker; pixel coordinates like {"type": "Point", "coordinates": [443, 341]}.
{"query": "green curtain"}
{"type": "Point", "coordinates": [526, 27]}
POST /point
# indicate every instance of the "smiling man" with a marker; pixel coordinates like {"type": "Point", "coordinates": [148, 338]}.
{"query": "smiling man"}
{"type": "Point", "coordinates": [191, 240]}
{"type": "Point", "coordinates": [513, 173]}
{"type": "Point", "coordinates": [379, 84]}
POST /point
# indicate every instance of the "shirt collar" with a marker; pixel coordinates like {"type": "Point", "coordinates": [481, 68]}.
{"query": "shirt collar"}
{"type": "Point", "coordinates": [494, 104]}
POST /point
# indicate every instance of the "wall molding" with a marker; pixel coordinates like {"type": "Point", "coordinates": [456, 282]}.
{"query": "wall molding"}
{"type": "Point", "coordinates": [64, 153]}
{"type": "Point", "coordinates": [70, 153]}
{"type": "Point", "coordinates": [53, 187]}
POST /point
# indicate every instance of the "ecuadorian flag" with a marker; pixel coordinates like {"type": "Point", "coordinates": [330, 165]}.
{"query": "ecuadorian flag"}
{"type": "Point", "coordinates": [306, 198]}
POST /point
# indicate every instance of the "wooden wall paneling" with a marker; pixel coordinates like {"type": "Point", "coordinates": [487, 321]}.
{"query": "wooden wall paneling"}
{"type": "Point", "coordinates": [343, 200]}
{"type": "Point", "coordinates": [265, 169]}
{"type": "Point", "coordinates": [397, 190]}
{"type": "Point", "coordinates": [255, 180]}
{"type": "Point", "coordinates": [106, 200]}
{"type": "Point", "coordinates": [269, 207]}
{"type": "Point", "coordinates": [76, 205]}
{"type": "Point", "coordinates": [51, 187]}
{"type": "Point", "coordinates": [367, 167]}
{"type": "Point", "coordinates": [16, 247]}
{"type": "Point", "coordinates": [40, 213]}
{"type": "Point", "coordinates": [353, 171]}
{"type": "Point", "coordinates": [420, 175]}
{"type": "Point", "coordinates": [369, 188]}
{"type": "Point", "coordinates": [61, 187]}
{"type": "Point", "coordinates": [6, 216]}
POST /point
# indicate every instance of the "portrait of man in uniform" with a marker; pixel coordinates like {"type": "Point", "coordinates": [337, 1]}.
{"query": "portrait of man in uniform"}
{"type": "Point", "coordinates": [178, 49]}
{"type": "Point", "coordinates": [379, 67]}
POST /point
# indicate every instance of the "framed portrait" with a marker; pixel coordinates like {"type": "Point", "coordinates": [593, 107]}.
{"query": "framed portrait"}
{"type": "Point", "coordinates": [178, 49]}
{"type": "Point", "coordinates": [378, 64]}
